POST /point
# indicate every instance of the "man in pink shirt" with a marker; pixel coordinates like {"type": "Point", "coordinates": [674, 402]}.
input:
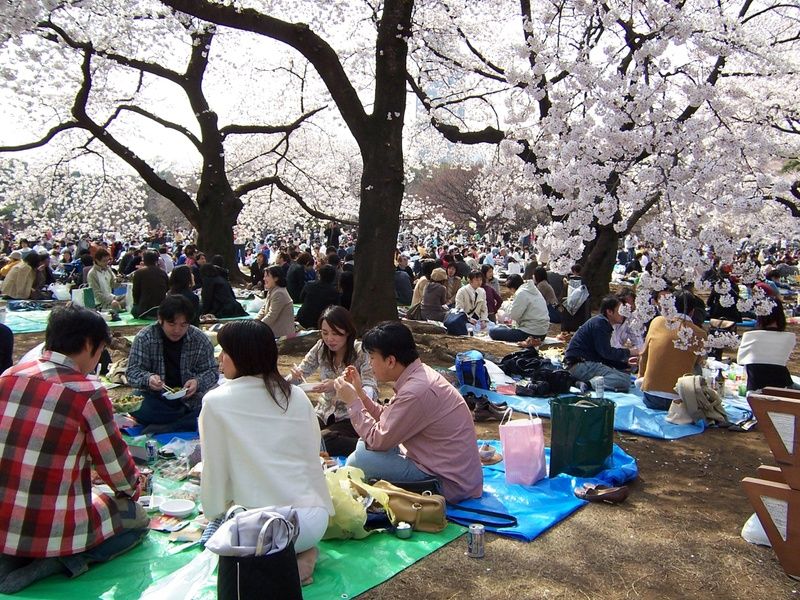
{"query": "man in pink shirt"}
{"type": "Point", "coordinates": [425, 431]}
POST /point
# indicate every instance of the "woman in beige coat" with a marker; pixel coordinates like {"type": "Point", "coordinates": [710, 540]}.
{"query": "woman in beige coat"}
{"type": "Point", "coordinates": [278, 310]}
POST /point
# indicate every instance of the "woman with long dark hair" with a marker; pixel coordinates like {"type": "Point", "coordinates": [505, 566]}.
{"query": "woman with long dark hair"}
{"type": "Point", "coordinates": [181, 282]}
{"type": "Point", "coordinates": [278, 310]}
{"type": "Point", "coordinates": [765, 350]}
{"type": "Point", "coordinates": [336, 350]}
{"type": "Point", "coordinates": [261, 439]}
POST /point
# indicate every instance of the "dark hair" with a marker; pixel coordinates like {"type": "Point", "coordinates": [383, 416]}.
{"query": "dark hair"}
{"type": "Point", "coordinates": [776, 317]}
{"type": "Point", "coordinates": [277, 274]}
{"type": "Point", "coordinates": [252, 348]}
{"type": "Point", "coordinates": [218, 260]}
{"type": "Point", "coordinates": [33, 259]}
{"type": "Point", "coordinates": [180, 279]}
{"type": "Point", "coordinates": [101, 254]}
{"type": "Point", "coordinates": [514, 281]}
{"type": "Point", "coordinates": [284, 256]}
{"type": "Point", "coordinates": [341, 321]}
{"type": "Point", "coordinates": [475, 274]}
{"type": "Point", "coordinates": [305, 259]}
{"type": "Point", "coordinates": [327, 274]}
{"type": "Point", "coordinates": [609, 303]}
{"type": "Point", "coordinates": [69, 327]}
{"type": "Point", "coordinates": [150, 258]}
{"type": "Point", "coordinates": [624, 293]}
{"type": "Point", "coordinates": [428, 266]}
{"type": "Point", "coordinates": [333, 259]}
{"type": "Point", "coordinates": [174, 305]}
{"type": "Point", "coordinates": [391, 338]}
{"type": "Point", "coordinates": [209, 270]}
{"type": "Point", "coordinates": [540, 274]}
{"type": "Point", "coordinates": [684, 302]}
{"type": "Point", "coordinates": [485, 270]}
{"type": "Point", "coordinates": [576, 269]}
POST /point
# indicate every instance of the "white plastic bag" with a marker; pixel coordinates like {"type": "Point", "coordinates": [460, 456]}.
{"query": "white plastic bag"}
{"type": "Point", "coordinates": [186, 582]}
{"type": "Point", "coordinates": [575, 299]}
{"type": "Point", "coordinates": [753, 531]}
{"type": "Point", "coordinates": [255, 305]}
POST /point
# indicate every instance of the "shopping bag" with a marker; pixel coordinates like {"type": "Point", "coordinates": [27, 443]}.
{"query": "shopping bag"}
{"type": "Point", "coordinates": [83, 297]}
{"type": "Point", "coordinates": [456, 322]}
{"type": "Point", "coordinates": [523, 449]}
{"type": "Point", "coordinates": [582, 435]}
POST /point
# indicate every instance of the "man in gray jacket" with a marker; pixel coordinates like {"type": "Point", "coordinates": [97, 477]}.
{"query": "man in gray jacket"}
{"type": "Point", "coordinates": [528, 312]}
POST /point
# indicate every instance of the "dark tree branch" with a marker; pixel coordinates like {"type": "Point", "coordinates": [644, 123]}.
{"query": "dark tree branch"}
{"type": "Point", "coordinates": [163, 122]}
{"type": "Point", "coordinates": [268, 129]}
{"type": "Point", "coordinates": [44, 140]}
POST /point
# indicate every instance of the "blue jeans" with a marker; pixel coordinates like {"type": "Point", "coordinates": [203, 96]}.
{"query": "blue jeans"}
{"type": "Point", "coordinates": [502, 333]}
{"type": "Point", "coordinates": [656, 402]}
{"type": "Point", "coordinates": [157, 410]}
{"type": "Point", "coordinates": [390, 465]}
{"type": "Point", "coordinates": [614, 380]}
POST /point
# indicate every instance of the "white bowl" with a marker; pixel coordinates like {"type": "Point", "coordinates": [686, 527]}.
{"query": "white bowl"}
{"type": "Point", "coordinates": [174, 396]}
{"type": "Point", "coordinates": [177, 508]}
{"type": "Point", "coordinates": [151, 502]}
{"type": "Point", "coordinates": [308, 387]}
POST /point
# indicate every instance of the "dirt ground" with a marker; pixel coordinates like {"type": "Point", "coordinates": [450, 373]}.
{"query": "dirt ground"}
{"type": "Point", "coordinates": [677, 535]}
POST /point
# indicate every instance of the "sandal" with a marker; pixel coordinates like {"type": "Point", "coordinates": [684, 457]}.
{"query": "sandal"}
{"type": "Point", "coordinates": [602, 493]}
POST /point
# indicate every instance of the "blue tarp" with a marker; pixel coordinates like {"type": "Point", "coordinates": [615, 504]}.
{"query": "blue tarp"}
{"type": "Point", "coordinates": [538, 507]}
{"type": "Point", "coordinates": [631, 414]}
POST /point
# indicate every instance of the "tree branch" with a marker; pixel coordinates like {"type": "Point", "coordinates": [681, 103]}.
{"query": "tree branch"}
{"type": "Point", "coordinates": [278, 183]}
{"type": "Point", "coordinates": [44, 140]}
{"type": "Point", "coordinates": [268, 129]}
{"type": "Point", "coordinates": [163, 122]}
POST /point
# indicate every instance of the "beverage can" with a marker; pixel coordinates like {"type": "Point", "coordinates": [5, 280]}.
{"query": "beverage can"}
{"type": "Point", "coordinates": [146, 481]}
{"type": "Point", "coordinates": [475, 546]}
{"type": "Point", "coordinates": [152, 450]}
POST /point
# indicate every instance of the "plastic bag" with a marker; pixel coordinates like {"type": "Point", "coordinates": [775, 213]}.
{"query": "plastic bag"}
{"type": "Point", "coordinates": [350, 512]}
{"type": "Point", "coordinates": [753, 532]}
{"type": "Point", "coordinates": [255, 305]}
{"type": "Point", "coordinates": [186, 582]}
{"type": "Point", "coordinates": [523, 449]}
{"type": "Point", "coordinates": [575, 299]}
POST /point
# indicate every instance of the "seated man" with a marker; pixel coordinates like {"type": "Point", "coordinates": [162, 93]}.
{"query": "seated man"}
{"type": "Point", "coordinates": [171, 353]}
{"type": "Point", "coordinates": [56, 425]}
{"type": "Point", "coordinates": [590, 353]}
{"type": "Point", "coordinates": [101, 279]}
{"type": "Point", "coordinates": [427, 416]}
{"type": "Point", "coordinates": [150, 286]}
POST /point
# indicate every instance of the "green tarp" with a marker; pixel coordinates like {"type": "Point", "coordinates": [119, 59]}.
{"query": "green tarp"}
{"type": "Point", "coordinates": [345, 568]}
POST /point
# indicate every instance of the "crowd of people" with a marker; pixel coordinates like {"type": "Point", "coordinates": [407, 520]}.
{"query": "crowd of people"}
{"type": "Point", "coordinates": [424, 433]}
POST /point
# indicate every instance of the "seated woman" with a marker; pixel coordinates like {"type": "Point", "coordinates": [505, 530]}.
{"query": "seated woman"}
{"type": "Point", "coordinates": [217, 295]}
{"type": "Point", "coordinates": [419, 289]}
{"type": "Point", "coordinates": [434, 299]}
{"type": "Point", "coordinates": [765, 351]}
{"type": "Point", "coordinates": [20, 282]}
{"type": "Point", "coordinates": [472, 299]}
{"type": "Point", "coordinates": [493, 298]}
{"type": "Point", "coordinates": [278, 310]}
{"type": "Point", "coordinates": [336, 350]}
{"type": "Point", "coordinates": [317, 296]}
{"type": "Point", "coordinates": [671, 349]}
{"type": "Point", "coordinates": [181, 283]}
{"type": "Point", "coordinates": [453, 283]}
{"type": "Point", "coordinates": [261, 439]}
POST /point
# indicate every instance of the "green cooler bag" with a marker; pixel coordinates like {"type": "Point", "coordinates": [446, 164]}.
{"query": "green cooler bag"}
{"type": "Point", "coordinates": [582, 435]}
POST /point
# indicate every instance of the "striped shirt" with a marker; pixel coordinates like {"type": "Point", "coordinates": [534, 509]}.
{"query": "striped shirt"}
{"type": "Point", "coordinates": [56, 424]}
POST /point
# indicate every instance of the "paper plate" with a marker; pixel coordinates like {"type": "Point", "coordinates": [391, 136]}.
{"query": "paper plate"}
{"type": "Point", "coordinates": [179, 394]}
{"type": "Point", "coordinates": [308, 387]}
{"type": "Point", "coordinates": [177, 508]}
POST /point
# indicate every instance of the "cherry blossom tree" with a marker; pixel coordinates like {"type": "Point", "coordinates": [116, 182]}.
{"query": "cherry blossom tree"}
{"type": "Point", "coordinates": [115, 56]}
{"type": "Point", "coordinates": [608, 112]}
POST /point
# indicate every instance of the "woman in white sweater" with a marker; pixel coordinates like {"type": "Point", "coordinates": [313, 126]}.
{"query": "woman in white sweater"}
{"type": "Point", "coordinates": [261, 439]}
{"type": "Point", "coordinates": [765, 351]}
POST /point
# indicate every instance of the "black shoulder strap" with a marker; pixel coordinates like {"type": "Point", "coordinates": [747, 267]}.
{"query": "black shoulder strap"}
{"type": "Point", "coordinates": [494, 519]}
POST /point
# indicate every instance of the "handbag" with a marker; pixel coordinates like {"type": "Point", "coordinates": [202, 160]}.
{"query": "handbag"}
{"type": "Point", "coordinates": [523, 448]}
{"type": "Point", "coordinates": [256, 554]}
{"type": "Point", "coordinates": [424, 512]}
{"type": "Point", "coordinates": [582, 435]}
{"type": "Point", "coordinates": [455, 322]}
{"type": "Point", "coordinates": [414, 312]}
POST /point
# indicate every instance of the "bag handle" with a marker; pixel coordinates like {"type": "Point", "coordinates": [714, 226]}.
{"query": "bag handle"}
{"type": "Point", "coordinates": [263, 533]}
{"type": "Point", "coordinates": [501, 520]}
{"type": "Point", "coordinates": [507, 414]}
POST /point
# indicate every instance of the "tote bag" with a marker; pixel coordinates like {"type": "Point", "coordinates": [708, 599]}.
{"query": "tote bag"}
{"type": "Point", "coordinates": [523, 449]}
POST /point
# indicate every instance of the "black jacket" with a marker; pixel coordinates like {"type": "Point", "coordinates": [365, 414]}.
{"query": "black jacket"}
{"type": "Point", "coordinates": [218, 298]}
{"type": "Point", "coordinates": [295, 280]}
{"type": "Point", "coordinates": [316, 297]}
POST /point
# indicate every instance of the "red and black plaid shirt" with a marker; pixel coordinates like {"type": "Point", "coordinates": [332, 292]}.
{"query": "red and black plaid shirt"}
{"type": "Point", "coordinates": [55, 425]}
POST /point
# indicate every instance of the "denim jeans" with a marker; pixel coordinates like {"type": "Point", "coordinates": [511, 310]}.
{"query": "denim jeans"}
{"type": "Point", "coordinates": [157, 410]}
{"type": "Point", "coordinates": [656, 402]}
{"type": "Point", "coordinates": [502, 333]}
{"type": "Point", "coordinates": [390, 465]}
{"type": "Point", "coordinates": [17, 573]}
{"type": "Point", "coordinates": [614, 380]}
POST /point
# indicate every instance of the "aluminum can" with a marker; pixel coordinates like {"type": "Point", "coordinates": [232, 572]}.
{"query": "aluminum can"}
{"type": "Point", "coordinates": [152, 450]}
{"type": "Point", "coordinates": [475, 537]}
{"type": "Point", "coordinates": [146, 481]}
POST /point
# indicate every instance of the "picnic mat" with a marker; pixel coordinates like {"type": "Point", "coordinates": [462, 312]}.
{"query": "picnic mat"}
{"type": "Point", "coordinates": [631, 414]}
{"type": "Point", "coordinates": [345, 569]}
{"type": "Point", "coordinates": [540, 506]}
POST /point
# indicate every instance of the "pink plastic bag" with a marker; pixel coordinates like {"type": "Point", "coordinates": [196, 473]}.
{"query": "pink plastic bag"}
{"type": "Point", "coordinates": [523, 449]}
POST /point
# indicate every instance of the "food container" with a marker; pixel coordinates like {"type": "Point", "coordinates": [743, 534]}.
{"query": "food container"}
{"type": "Point", "coordinates": [403, 530]}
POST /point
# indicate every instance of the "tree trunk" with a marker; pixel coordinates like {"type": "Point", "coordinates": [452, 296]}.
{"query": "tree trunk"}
{"type": "Point", "coordinates": [598, 261]}
{"type": "Point", "coordinates": [215, 221]}
{"type": "Point", "coordinates": [382, 187]}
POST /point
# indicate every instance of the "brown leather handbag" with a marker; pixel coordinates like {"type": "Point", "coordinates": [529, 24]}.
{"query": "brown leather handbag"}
{"type": "Point", "coordinates": [424, 512]}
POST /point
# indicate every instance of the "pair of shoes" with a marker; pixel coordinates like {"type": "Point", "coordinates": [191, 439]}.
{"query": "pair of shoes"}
{"type": "Point", "coordinates": [472, 400]}
{"type": "Point", "coordinates": [486, 411]}
{"type": "Point", "coordinates": [602, 493]}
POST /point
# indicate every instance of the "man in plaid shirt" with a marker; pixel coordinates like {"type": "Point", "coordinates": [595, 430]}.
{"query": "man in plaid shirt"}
{"type": "Point", "coordinates": [171, 353]}
{"type": "Point", "coordinates": [56, 424]}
